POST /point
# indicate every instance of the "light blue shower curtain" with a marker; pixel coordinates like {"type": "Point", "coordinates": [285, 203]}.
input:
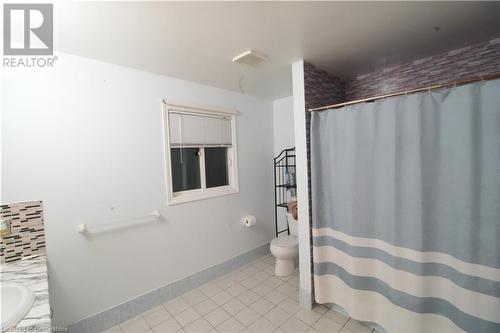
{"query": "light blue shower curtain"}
{"type": "Point", "coordinates": [406, 210]}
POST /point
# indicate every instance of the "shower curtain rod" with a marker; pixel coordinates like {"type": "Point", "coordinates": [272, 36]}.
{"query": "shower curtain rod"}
{"type": "Point", "coordinates": [436, 86]}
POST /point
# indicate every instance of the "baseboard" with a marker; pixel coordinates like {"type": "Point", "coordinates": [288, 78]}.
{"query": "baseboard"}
{"type": "Point", "coordinates": [131, 308]}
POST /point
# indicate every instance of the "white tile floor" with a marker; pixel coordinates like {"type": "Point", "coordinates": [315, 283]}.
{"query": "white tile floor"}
{"type": "Point", "coordinates": [250, 299]}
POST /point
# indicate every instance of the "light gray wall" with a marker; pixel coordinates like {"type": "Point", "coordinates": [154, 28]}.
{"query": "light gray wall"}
{"type": "Point", "coordinates": [86, 137]}
{"type": "Point", "coordinates": [283, 124]}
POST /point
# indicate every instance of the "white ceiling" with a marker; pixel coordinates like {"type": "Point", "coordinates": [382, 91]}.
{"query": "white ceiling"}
{"type": "Point", "coordinates": [196, 41]}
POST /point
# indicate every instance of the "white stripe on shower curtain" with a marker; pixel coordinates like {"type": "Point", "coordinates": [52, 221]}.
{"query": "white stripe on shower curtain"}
{"type": "Point", "coordinates": [406, 210]}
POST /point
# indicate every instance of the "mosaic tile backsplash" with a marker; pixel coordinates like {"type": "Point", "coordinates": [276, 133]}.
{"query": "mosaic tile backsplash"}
{"type": "Point", "coordinates": [27, 237]}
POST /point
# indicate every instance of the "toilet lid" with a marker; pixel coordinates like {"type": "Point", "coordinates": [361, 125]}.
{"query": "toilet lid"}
{"type": "Point", "coordinates": [286, 241]}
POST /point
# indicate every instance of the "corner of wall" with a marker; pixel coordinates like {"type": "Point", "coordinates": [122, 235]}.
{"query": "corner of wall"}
{"type": "Point", "coordinates": [312, 87]}
{"type": "Point", "coordinates": [299, 106]}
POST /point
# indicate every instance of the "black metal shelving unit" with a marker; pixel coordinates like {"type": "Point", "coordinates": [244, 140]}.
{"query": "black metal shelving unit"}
{"type": "Point", "coordinates": [283, 163]}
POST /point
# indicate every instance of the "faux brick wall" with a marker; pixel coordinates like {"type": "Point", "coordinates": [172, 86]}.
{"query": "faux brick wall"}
{"type": "Point", "coordinates": [27, 236]}
{"type": "Point", "coordinates": [321, 88]}
{"type": "Point", "coordinates": [475, 60]}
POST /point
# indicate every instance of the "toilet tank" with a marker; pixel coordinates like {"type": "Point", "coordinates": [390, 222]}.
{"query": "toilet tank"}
{"type": "Point", "coordinates": [293, 225]}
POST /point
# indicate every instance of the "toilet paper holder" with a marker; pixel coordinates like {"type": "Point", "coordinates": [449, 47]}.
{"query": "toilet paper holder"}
{"type": "Point", "coordinates": [248, 221]}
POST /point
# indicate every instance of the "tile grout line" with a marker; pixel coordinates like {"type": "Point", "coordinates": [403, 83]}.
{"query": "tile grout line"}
{"type": "Point", "coordinates": [173, 317]}
{"type": "Point", "coordinates": [261, 297]}
{"type": "Point", "coordinates": [178, 322]}
{"type": "Point", "coordinates": [235, 281]}
{"type": "Point", "coordinates": [274, 306]}
{"type": "Point", "coordinates": [147, 322]}
{"type": "Point", "coordinates": [345, 324]}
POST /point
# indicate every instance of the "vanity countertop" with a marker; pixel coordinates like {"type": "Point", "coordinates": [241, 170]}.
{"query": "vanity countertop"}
{"type": "Point", "coordinates": [31, 272]}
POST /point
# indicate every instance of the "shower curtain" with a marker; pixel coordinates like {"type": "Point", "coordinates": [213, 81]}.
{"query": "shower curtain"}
{"type": "Point", "coordinates": [406, 210]}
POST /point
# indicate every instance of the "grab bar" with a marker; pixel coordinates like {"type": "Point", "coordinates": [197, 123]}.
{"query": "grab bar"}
{"type": "Point", "coordinates": [86, 229]}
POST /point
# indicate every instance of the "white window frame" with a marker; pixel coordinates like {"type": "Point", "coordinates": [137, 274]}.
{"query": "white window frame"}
{"type": "Point", "coordinates": [232, 153]}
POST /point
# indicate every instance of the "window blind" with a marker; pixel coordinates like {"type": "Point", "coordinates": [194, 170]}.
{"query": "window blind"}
{"type": "Point", "coordinates": [193, 130]}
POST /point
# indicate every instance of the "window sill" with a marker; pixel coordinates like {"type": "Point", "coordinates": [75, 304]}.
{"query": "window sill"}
{"type": "Point", "coordinates": [200, 195]}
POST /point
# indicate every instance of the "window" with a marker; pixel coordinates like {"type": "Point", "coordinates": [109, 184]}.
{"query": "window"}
{"type": "Point", "coordinates": [185, 169]}
{"type": "Point", "coordinates": [200, 153]}
{"type": "Point", "coordinates": [216, 166]}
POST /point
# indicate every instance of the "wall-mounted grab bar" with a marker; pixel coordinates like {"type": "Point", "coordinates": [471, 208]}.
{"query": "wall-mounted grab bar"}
{"type": "Point", "coordinates": [86, 229]}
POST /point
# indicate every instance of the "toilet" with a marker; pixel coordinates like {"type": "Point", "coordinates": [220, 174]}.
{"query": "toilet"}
{"type": "Point", "coordinates": [286, 249]}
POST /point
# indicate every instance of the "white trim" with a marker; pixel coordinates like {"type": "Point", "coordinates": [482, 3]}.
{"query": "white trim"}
{"type": "Point", "coordinates": [199, 114]}
{"type": "Point", "coordinates": [198, 109]}
{"type": "Point", "coordinates": [203, 176]}
{"type": "Point", "coordinates": [203, 192]}
{"type": "Point", "coordinates": [233, 157]}
{"type": "Point", "coordinates": [166, 151]}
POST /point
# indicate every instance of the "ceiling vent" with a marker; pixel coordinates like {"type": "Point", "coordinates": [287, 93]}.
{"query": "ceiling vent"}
{"type": "Point", "coordinates": [249, 58]}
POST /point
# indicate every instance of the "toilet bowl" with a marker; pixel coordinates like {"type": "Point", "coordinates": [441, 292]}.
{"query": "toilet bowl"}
{"type": "Point", "coordinates": [286, 248]}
